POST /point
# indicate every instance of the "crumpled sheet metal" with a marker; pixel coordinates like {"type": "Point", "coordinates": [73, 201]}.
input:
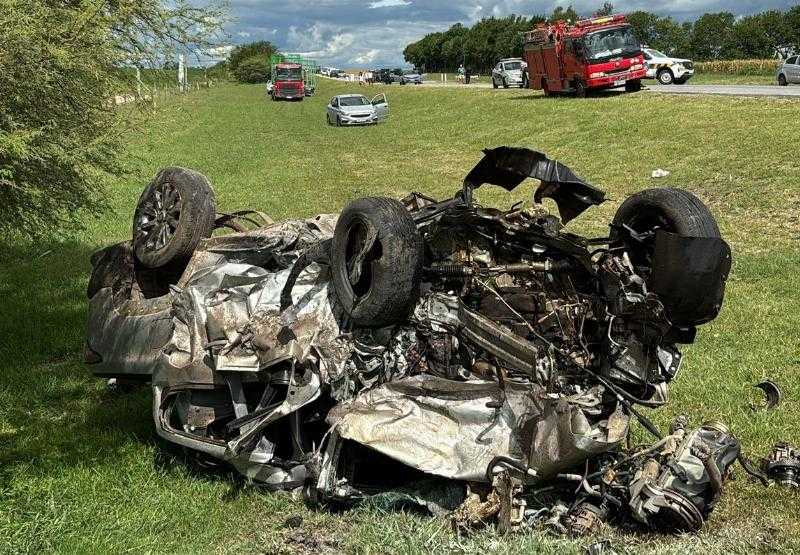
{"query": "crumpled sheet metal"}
{"type": "Point", "coordinates": [565, 438]}
{"type": "Point", "coordinates": [234, 307]}
{"type": "Point", "coordinates": [445, 427]}
{"type": "Point", "coordinates": [439, 426]}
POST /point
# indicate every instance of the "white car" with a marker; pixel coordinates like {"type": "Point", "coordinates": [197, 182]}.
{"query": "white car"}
{"type": "Point", "coordinates": [789, 71]}
{"type": "Point", "coordinates": [357, 109]}
{"type": "Point", "coordinates": [509, 72]}
{"type": "Point", "coordinates": [665, 69]}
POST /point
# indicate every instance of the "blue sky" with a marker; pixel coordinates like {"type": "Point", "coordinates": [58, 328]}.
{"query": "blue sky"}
{"type": "Point", "coordinates": [347, 33]}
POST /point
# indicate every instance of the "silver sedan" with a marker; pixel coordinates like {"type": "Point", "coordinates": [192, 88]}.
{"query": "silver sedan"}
{"type": "Point", "coordinates": [357, 109]}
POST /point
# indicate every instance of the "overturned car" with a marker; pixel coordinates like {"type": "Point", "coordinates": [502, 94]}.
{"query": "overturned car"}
{"type": "Point", "coordinates": [407, 343]}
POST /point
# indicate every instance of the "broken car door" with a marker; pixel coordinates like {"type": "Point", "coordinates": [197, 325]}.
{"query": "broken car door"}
{"type": "Point", "coordinates": [381, 106]}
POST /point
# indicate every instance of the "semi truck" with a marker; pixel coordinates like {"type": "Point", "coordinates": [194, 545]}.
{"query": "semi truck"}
{"type": "Point", "coordinates": [293, 77]}
{"type": "Point", "coordinates": [592, 54]}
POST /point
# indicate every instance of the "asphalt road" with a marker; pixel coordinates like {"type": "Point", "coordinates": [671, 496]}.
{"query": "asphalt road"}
{"type": "Point", "coordinates": [792, 91]}
{"type": "Point", "coordinates": [730, 90]}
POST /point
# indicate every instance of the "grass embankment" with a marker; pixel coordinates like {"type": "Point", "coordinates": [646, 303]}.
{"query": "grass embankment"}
{"type": "Point", "coordinates": [79, 470]}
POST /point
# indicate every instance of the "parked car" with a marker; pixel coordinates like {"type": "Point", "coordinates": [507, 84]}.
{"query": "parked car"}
{"type": "Point", "coordinates": [510, 72]}
{"type": "Point", "coordinates": [438, 344]}
{"type": "Point", "coordinates": [789, 71]}
{"type": "Point", "coordinates": [357, 109]}
{"type": "Point", "coordinates": [383, 76]}
{"type": "Point", "coordinates": [411, 77]}
{"type": "Point", "coordinates": [666, 69]}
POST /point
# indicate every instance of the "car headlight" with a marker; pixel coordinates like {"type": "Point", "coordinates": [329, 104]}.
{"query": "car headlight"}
{"type": "Point", "coordinates": [597, 74]}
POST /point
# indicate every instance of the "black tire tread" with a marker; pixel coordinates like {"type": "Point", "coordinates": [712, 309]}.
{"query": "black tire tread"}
{"type": "Point", "coordinates": [397, 286]}
{"type": "Point", "coordinates": [689, 214]}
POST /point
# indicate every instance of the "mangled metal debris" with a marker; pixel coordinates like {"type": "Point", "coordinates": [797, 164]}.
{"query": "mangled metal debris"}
{"type": "Point", "coordinates": [404, 344]}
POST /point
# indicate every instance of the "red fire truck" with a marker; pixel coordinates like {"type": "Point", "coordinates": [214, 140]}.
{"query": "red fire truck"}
{"type": "Point", "coordinates": [287, 81]}
{"type": "Point", "coordinates": [597, 53]}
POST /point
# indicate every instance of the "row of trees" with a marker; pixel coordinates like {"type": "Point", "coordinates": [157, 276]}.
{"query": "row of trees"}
{"type": "Point", "coordinates": [713, 36]}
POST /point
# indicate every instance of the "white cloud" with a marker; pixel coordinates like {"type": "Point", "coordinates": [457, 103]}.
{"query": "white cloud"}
{"type": "Point", "coordinates": [243, 34]}
{"type": "Point", "coordinates": [366, 57]}
{"type": "Point", "coordinates": [388, 4]}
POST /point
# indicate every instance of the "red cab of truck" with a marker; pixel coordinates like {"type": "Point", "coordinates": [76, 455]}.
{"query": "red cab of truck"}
{"type": "Point", "coordinates": [287, 82]}
{"type": "Point", "coordinates": [597, 53]}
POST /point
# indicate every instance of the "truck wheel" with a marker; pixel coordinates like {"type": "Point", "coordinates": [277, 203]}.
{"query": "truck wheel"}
{"type": "Point", "coordinates": [665, 77]}
{"type": "Point", "coordinates": [782, 80]}
{"type": "Point", "coordinates": [580, 89]}
{"type": "Point", "coordinates": [376, 261]}
{"type": "Point", "coordinates": [633, 86]}
{"type": "Point", "coordinates": [175, 212]}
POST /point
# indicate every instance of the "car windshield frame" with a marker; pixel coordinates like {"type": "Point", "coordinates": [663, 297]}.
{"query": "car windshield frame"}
{"type": "Point", "coordinates": [656, 53]}
{"type": "Point", "coordinates": [288, 74]}
{"type": "Point", "coordinates": [596, 47]}
{"type": "Point", "coordinates": [343, 101]}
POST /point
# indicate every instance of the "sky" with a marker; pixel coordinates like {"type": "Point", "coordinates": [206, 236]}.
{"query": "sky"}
{"type": "Point", "coordinates": [373, 33]}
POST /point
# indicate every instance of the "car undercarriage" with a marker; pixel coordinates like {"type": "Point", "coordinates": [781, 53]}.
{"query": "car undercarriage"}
{"type": "Point", "coordinates": [484, 363]}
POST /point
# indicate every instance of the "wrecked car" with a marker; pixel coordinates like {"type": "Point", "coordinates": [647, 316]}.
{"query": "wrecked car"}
{"type": "Point", "coordinates": [479, 360]}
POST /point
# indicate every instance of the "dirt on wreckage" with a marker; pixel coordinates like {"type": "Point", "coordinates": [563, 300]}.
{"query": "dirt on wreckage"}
{"type": "Point", "coordinates": [483, 364]}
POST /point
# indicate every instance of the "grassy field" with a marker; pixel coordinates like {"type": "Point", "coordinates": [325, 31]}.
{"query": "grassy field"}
{"type": "Point", "coordinates": [79, 467]}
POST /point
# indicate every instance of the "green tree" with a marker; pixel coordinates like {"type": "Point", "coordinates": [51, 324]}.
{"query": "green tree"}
{"type": "Point", "coordinates": [567, 14]}
{"type": "Point", "coordinates": [606, 9]}
{"type": "Point", "coordinates": [246, 52]}
{"type": "Point", "coordinates": [712, 36]}
{"type": "Point", "coordinates": [60, 131]}
{"type": "Point", "coordinates": [254, 69]}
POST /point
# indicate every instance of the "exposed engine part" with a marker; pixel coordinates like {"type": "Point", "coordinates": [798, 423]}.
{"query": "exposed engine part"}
{"type": "Point", "coordinates": [783, 465]}
{"type": "Point", "coordinates": [677, 486]}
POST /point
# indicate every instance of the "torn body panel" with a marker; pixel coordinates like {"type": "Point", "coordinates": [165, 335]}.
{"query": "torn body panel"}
{"type": "Point", "coordinates": [516, 360]}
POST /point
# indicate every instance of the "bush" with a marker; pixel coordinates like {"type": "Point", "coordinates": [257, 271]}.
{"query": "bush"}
{"type": "Point", "coordinates": [60, 70]}
{"type": "Point", "coordinates": [739, 67]}
{"type": "Point", "coordinates": [252, 55]}
{"type": "Point", "coordinates": [252, 70]}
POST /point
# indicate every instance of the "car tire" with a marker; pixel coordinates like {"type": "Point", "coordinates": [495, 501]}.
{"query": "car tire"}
{"type": "Point", "coordinates": [675, 210]}
{"type": "Point", "coordinates": [633, 86]}
{"type": "Point", "coordinates": [681, 213]}
{"type": "Point", "coordinates": [338, 121]}
{"type": "Point", "coordinates": [505, 83]}
{"type": "Point", "coordinates": [376, 261]}
{"type": "Point", "coordinates": [174, 213]}
{"type": "Point", "coordinates": [580, 89]}
{"type": "Point", "coordinates": [782, 80]}
{"type": "Point", "coordinates": [665, 77]}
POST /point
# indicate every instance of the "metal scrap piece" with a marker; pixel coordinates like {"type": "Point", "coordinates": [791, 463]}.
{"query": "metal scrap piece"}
{"type": "Point", "coordinates": [772, 394]}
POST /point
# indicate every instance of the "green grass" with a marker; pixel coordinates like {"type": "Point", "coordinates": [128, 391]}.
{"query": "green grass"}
{"type": "Point", "coordinates": [701, 78]}
{"type": "Point", "coordinates": [79, 470]}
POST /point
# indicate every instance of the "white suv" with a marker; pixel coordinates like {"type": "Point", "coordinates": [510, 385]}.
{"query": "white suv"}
{"type": "Point", "coordinates": [665, 69]}
{"type": "Point", "coordinates": [789, 71]}
{"type": "Point", "coordinates": [508, 72]}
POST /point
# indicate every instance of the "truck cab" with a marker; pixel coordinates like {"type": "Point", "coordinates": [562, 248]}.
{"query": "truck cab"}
{"type": "Point", "coordinates": [598, 53]}
{"type": "Point", "coordinates": [287, 82]}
